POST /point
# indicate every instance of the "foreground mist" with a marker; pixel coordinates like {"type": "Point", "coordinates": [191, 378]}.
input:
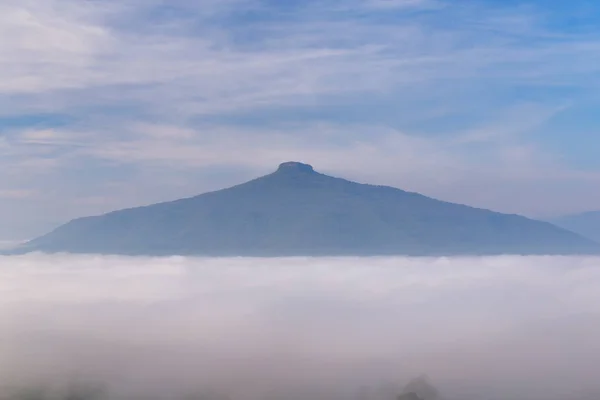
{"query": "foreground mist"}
{"type": "Point", "coordinates": [322, 328]}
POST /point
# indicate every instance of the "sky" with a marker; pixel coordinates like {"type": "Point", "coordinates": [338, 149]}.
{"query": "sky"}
{"type": "Point", "coordinates": [117, 103]}
{"type": "Point", "coordinates": [332, 328]}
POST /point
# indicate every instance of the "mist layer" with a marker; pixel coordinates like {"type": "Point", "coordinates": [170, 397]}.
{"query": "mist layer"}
{"type": "Point", "coordinates": [493, 328]}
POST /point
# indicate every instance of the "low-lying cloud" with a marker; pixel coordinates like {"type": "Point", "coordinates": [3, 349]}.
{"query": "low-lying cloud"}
{"type": "Point", "coordinates": [347, 328]}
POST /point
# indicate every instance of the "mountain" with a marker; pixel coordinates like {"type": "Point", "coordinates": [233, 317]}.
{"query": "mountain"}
{"type": "Point", "coordinates": [296, 211]}
{"type": "Point", "coordinates": [585, 224]}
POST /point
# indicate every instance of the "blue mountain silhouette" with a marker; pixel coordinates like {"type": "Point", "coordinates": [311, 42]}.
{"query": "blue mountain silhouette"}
{"type": "Point", "coordinates": [297, 211]}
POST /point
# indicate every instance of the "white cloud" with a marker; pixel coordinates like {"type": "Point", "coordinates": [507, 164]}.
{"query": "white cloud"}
{"type": "Point", "coordinates": [518, 327]}
{"type": "Point", "coordinates": [45, 45]}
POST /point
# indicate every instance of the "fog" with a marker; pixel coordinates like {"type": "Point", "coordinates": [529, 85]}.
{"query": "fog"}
{"type": "Point", "coordinates": [348, 328]}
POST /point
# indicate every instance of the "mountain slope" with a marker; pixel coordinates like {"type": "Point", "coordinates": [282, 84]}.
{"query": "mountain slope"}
{"type": "Point", "coordinates": [297, 211]}
{"type": "Point", "coordinates": [585, 224]}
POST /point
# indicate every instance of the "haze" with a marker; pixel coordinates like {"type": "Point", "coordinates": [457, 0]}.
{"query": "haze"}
{"type": "Point", "coordinates": [352, 328]}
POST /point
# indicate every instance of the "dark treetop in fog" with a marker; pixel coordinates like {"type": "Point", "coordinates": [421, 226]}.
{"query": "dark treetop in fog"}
{"type": "Point", "coordinates": [297, 211]}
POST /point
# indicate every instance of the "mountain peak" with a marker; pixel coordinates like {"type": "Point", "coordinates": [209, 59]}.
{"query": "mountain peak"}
{"type": "Point", "coordinates": [294, 166]}
{"type": "Point", "coordinates": [297, 211]}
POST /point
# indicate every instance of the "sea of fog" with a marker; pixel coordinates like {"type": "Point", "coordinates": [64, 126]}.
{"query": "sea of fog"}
{"type": "Point", "coordinates": [513, 328]}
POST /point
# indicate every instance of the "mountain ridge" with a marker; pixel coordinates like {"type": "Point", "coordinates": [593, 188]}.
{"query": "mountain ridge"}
{"type": "Point", "coordinates": [297, 211]}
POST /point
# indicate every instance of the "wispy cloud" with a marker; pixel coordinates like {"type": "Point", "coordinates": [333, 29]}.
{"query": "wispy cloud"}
{"type": "Point", "coordinates": [212, 70]}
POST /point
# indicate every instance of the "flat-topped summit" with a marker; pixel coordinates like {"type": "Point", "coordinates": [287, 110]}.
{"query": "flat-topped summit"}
{"type": "Point", "coordinates": [299, 212]}
{"type": "Point", "coordinates": [294, 166]}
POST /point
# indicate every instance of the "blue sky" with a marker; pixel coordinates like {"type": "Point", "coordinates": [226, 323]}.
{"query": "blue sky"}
{"type": "Point", "coordinates": [110, 104]}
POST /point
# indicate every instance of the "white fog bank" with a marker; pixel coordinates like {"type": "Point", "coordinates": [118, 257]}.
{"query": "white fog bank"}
{"type": "Point", "coordinates": [353, 328]}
